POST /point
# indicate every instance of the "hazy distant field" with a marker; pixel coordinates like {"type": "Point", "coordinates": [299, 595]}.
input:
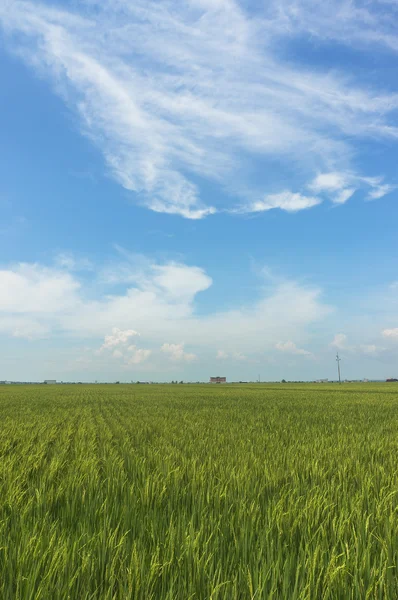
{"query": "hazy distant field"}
{"type": "Point", "coordinates": [198, 492]}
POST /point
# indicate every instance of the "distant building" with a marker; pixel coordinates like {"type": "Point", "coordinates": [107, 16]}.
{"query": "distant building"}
{"type": "Point", "coordinates": [218, 380]}
{"type": "Point", "coordinates": [50, 381]}
{"type": "Point", "coordinates": [322, 381]}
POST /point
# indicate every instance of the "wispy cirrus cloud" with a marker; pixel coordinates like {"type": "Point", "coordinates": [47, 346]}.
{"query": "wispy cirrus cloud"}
{"type": "Point", "coordinates": [355, 23]}
{"type": "Point", "coordinates": [340, 186]}
{"type": "Point", "coordinates": [287, 201]}
{"type": "Point", "coordinates": [167, 116]}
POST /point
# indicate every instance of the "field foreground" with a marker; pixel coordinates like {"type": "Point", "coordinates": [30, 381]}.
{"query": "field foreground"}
{"type": "Point", "coordinates": [199, 492]}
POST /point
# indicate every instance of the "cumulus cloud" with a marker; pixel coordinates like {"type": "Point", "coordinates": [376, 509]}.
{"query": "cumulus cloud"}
{"type": "Point", "coordinates": [26, 326]}
{"type": "Point", "coordinates": [137, 355]}
{"type": "Point", "coordinates": [329, 182]}
{"type": "Point", "coordinates": [176, 352]}
{"type": "Point", "coordinates": [159, 301]}
{"type": "Point", "coordinates": [390, 333]}
{"type": "Point", "coordinates": [167, 116]}
{"type": "Point", "coordinates": [291, 348]}
{"type": "Point", "coordinates": [222, 355]}
{"type": "Point", "coordinates": [171, 280]}
{"type": "Point", "coordinates": [239, 356]}
{"type": "Point", "coordinates": [33, 298]}
{"type": "Point", "coordinates": [179, 281]}
{"type": "Point", "coordinates": [117, 338]}
{"type": "Point", "coordinates": [36, 289]}
{"type": "Point", "coordinates": [339, 341]}
{"type": "Point", "coordinates": [370, 349]}
{"type": "Point", "coordinates": [118, 343]}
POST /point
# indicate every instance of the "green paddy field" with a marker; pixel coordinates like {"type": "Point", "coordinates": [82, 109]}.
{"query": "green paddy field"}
{"type": "Point", "coordinates": [199, 492]}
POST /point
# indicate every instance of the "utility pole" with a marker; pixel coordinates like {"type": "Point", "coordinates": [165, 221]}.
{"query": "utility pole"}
{"type": "Point", "coordinates": [338, 359]}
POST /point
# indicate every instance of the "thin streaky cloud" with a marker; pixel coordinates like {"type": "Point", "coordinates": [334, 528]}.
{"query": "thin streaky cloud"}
{"type": "Point", "coordinates": [287, 201]}
{"type": "Point", "coordinates": [167, 116]}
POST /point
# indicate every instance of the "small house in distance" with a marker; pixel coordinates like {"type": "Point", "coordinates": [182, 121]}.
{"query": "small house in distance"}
{"type": "Point", "coordinates": [50, 381]}
{"type": "Point", "coordinates": [218, 380]}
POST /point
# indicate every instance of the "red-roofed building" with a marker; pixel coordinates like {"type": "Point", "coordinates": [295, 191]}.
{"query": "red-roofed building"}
{"type": "Point", "coordinates": [218, 380]}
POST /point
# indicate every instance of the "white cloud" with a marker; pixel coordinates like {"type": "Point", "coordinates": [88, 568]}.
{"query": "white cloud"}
{"type": "Point", "coordinates": [291, 348]}
{"type": "Point", "coordinates": [390, 333]}
{"type": "Point", "coordinates": [25, 326]}
{"type": "Point", "coordinates": [335, 185]}
{"type": "Point", "coordinates": [239, 356]}
{"type": "Point", "coordinates": [286, 200]}
{"type": "Point", "coordinates": [159, 301]}
{"type": "Point", "coordinates": [344, 195]}
{"type": "Point", "coordinates": [380, 190]}
{"type": "Point", "coordinates": [36, 289]}
{"type": "Point", "coordinates": [329, 182]}
{"type": "Point", "coordinates": [119, 344]}
{"type": "Point", "coordinates": [286, 307]}
{"type": "Point", "coordinates": [172, 280]}
{"type": "Point", "coordinates": [340, 341]}
{"type": "Point", "coordinates": [66, 260]}
{"type": "Point", "coordinates": [359, 24]}
{"type": "Point", "coordinates": [117, 338]}
{"type": "Point", "coordinates": [340, 186]}
{"type": "Point", "coordinates": [137, 355]}
{"type": "Point", "coordinates": [176, 352]}
{"type": "Point", "coordinates": [33, 298]}
{"type": "Point", "coordinates": [222, 355]}
{"type": "Point", "coordinates": [163, 308]}
{"type": "Point", "coordinates": [179, 281]}
{"type": "Point", "coordinates": [166, 114]}
{"type": "Point", "coordinates": [370, 349]}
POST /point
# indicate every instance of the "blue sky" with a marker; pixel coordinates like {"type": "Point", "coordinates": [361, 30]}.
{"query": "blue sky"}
{"type": "Point", "coordinates": [198, 188]}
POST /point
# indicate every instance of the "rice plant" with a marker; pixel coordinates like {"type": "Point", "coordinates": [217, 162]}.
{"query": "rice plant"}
{"type": "Point", "coordinates": [199, 492]}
